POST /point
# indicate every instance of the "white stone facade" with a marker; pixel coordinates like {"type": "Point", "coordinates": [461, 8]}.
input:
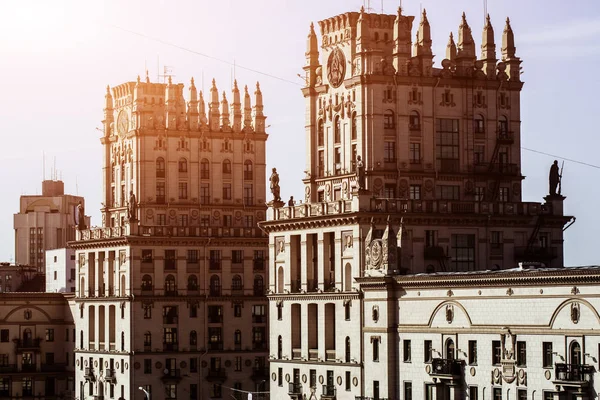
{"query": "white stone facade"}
{"type": "Point", "coordinates": [60, 271]}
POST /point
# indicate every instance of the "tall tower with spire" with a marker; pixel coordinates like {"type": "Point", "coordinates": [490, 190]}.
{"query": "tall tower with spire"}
{"type": "Point", "coordinates": [412, 167]}
{"type": "Point", "coordinates": [174, 280]}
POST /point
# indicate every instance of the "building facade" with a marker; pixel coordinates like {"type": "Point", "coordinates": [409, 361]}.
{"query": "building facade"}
{"type": "Point", "coordinates": [36, 346]}
{"type": "Point", "coordinates": [410, 169]}
{"type": "Point", "coordinates": [45, 222]}
{"type": "Point", "coordinates": [171, 290]}
{"type": "Point", "coordinates": [60, 271]}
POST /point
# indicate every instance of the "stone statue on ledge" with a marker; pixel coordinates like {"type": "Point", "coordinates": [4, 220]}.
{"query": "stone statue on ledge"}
{"type": "Point", "coordinates": [132, 207]}
{"type": "Point", "coordinates": [360, 173]}
{"type": "Point", "coordinates": [555, 179]}
{"type": "Point", "coordinates": [275, 189]}
{"type": "Point", "coordinates": [80, 217]}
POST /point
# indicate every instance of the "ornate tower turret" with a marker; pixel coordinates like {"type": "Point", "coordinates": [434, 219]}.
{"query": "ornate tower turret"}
{"type": "Point", "coordinates": [247, 110]}
{"type": "Point", "coordinates": [108, 112]}
{"type": "Point", "coordinates": [236, 108]}
{"type": "Point", "coordinates": [258, 116]}
{"type": "Point", "coordinates": [170, 105]}
{"type": "Point", "coordinates": [312, 57]}
{"type": "Point", "coordinates": [202, 110]}
{"type": "Point", "coordinates": [225, 123]}
{"type": "Point", "coordinates": [488, 49]}
{"type": "Point", "coordinates": [402, 42]}
{"type": "Point", "coordinates": [423, 45]}
{"type": "Point", "coordinates": [466, 45]}
{"type": "Point", "coordinates": [213, 116]}
{"type": "Point", "coordinates": [192, 110]}
{"type": "Point", "coordinates": [451, 48]}
{"type": "Point", "coordinates": [509, 52]}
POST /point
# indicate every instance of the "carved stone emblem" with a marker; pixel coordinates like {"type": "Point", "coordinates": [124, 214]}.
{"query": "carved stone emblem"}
{"type": "Point", "coordinates": [575, 313]}
{"type": "Point", "coordinates": [336, 67]}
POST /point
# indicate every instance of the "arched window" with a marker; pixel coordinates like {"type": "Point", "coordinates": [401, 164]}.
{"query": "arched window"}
{"type": "Point", "coordinates": [147, 339]}
{"type": "Point", "coordinates": [280, 280]}
{"type": "Point", "coordinates": [376, 36]}
{"type": "Point", "coordinates": [227, 167]}
{"type": "Point", "coordinates": [337, 131]}
{"type": "Point", "coordinates": [450, 355]}
{"type": "Point", "coordinates": [414, 121]}
{"type": "Point", "coordinates": [388, 119]}
{"type": "Point", "coordinates": [170, 286]}
{"type": "Point", "coordinates": [385, 36]}
{"type": "Point", "coordinates": [160, 167]}
{"type": "Point", "coordinates": [575, 353]}
{"type": "Point", "coordinates": [192, 282]}
{"type": "Point", "coordinates": [82, 287]}
{"type": "Point", "coordinates": [27, 336]}
{"type": "Point", "coordinates": [354, 127]}
{"type": "Point", "coordinates": [503, 126]}
{"type": "Point", "coordinates": [236, 282]}
{"type": "Point", "coordinates": [248, 175]}
{"type": "Point", "coordinates": [347, 353]}
{"type": "Point", "coordinates": [320, 134]}
{"type": "Point", "coordinates": [193, 338]}
{"type": "Point", "coordinates": [146, 282]}
{"type": "Point", "coordinates": [204, 169]}
{"type": "Point", "coordinates": [259, 285]}
{"type": "Point", "coordinates": [479, 124]}
{"type": "Point", "coordinates": [215, 285]}
{"type": "Point", "coordinates": [183, 166]}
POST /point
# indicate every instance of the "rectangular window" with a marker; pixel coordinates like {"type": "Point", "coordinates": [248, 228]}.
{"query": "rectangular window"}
{"type": "Point", "coordinates": [237, 310]}
{"type": "Point", "coordinates": [338, 160]}
{"type": "Point", "coordinates": [147, 366]}
{"type": "Point", "coordinates": [496, 352]}
{"type": "Point", "coordinates": [170, 260]}
{"type": "Point", "coordinates": [389, 152]}
{"type": "Point", "coordinates": [205, 220]}
{"type": "Point", "coordinates": [427, 351]}
{"type": "Point", "coordinates": [227, 191]}
{"type": "Point", "coordinates": [227, 220]}
{"type": "Point", "coordinates": [49, 335]}
{"type": "Point", "coordinates": [249, 221]}
{"type": "Point", "coordinates": [375, 342]}
{"type": "Point", "coordinates": [192, 256]}
{"type": "Point", "coordinates": [407, 351]}
{"type": "Point", "coordinates": [147, 311]}
{"type": "Point", "coordinates": [497, 394]}
{"type": "Point", "coordinates": [280, 376]}
{"type": "Point", "coordinates": [389, 191]}
{"type": "Point", "coordinates": [547, 355]}
{"type": "Point", "coordinates": [193, 391]}
{"type": "Point", "coordinates": [348, 381]}
{"type": "Point", "coordinates": [160, 192]}
{"type": "Point", "coordinates": [415, 192]}
{"type": "Point", "coordinates": [521, 354]}
{"type": "Point", "coordinates": [193, 364]}
{"type": "Point", "coordinates": [479, 193]}
{"type": "Point", "coordinates": [204, 193]}
{"type": "Point", "coordinates": [463, 252]}
{"type": "Point", "coordinates": [248, 194]}
{"type": "Point", "coordinates": [473, 393]}
{"type": "Point", "coordinates": [548, 395]}
{"type": "Point", "coordinates": [4, 336]}
{"type": "Point", "coordinates": [479, 154]}
{"type": "Point", "coordinates": [182, 220]}
{"type": "Point", "coordinates": [503, 194]}
{"type": "Point", "coordinates": [321, 163]}
{"type": "Point", "coordinates": [522, 394]}
{"type": "Point", "coordinates": [415, 153]}
{"type": "Point", "coordinates": [447, 146]}
{"type": "Point", "coordinates": [472, 352]}
{"type": "Point", "coordinates": [312, 378]}
{"type": "Point", "coordinates": [161, 219]}
{"type": "Point", "coordinates": [183, 190]}
{"type": "Point", "coordinates": [388, 120]}
{"type": "Point", "coordinates": [237, 256]}
{"type": "Point", "coordinates": [146, 255]}
{"type": "Point", "coordinates": [447, 192]}
{"type": "Point", "coordinates": [407, 390]}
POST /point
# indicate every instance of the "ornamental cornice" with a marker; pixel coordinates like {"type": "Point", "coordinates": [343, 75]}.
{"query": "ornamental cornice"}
{"type": "Point", "coordinates": [176, 241]}
{"type": "Point", "coordinates": [314, 296]}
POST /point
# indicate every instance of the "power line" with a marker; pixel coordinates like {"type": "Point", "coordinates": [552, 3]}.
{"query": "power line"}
{"type": "Point", "coordinates": [562, 158]}
{"type": "Point", "coordinates": [203, 54]}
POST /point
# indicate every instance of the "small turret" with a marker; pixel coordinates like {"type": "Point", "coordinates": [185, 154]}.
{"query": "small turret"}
{"type": "Point", "coordinates": [451, 48]}
{"type": "Point", "coordinates": [509, 52]}
{"type": "Point", "coordinates": [236, 108]}
{"type": "Point", "coordinates": [170, 105]}
{"type": "Point", "coordinates": [202, 110]}
{"type": "Point", "coordinates": [247, 110]}
{"type": "Point", "coordinates": [466, 45]}
{"type": "Point", "coordinates": [213, 116]}
{"type": "Point", "coordinates": [423, 45]}
{"type": "Point", "coordinates": [402, 42]}
{"type": "Point", "coordinates": [192, 110]}
{"type": "Point", "coordinates": [312, 57]}
{"type": "Point", "coordinates": [138, 95]}
{"type": "Point", "coordinates": [108, 111]}
{"type": "Point", "coordinates": [258, 116]}
{"type": "Point", "coordinates": [225, 123]}
{"type": "Point", "coordinates": [488, 49]}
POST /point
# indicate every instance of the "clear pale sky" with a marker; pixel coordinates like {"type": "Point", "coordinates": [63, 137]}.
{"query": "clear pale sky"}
{"type": "Point", "coordinates": [56, 58]}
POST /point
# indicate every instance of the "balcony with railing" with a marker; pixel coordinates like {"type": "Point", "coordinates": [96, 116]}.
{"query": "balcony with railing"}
{"type": "Point", "coordinates": [171, 375]}
{"type": "Point", "coordinates": [28, 367]}
{"type": "Point", "coordinates": [259, 345]}
{"type": "Point", "coordinates": [313, 354]}
{"type": "Point", "coordinates": [505, 137]}
{"type": "Point", "coordinates": [573, 375]}
{"type": "Point", "coordinates": [446, 369]}
{"type": "Point", "coordinates": [28, 344]}
{"type": "Point", "coordinates": [496, 169]}
{"type": "Point", "coordinates": [215, 345]}
{"type": "Point", "coordinates": [110, 375]}
{"type": "Point", "coordinates": [259, 319]}
{"type": "Point", "coordinates": [295, 388]}
{"type": "Point", "coordinates": [171, 291]}
{"type": "Point", "coordinates": [296, 353]}
{"type": "Point", "coordinates": [330, 355]}
{"type": "Point", "coordinates": [328, 392]}
{"type": "Point", "coordinates": [88, 374]}
{"type": "Point", "coordinates": [170, 346]}
{"type": "Point", "coordinates": [8, 368]}
{"type": "Point", "coordinates": [535, 253]}
{"type": "Point", "coordinates": [167, 231]}
{"type": "Point", "coordinates": [170, 319]}
{"type": "Point", "coordinates": [216, 375]}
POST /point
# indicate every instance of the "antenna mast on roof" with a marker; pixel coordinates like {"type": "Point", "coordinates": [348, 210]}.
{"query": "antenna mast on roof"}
{"type": "Point", "coordinates": [167, 73]}
{"type": "Point", "coordinates": [485, 11]}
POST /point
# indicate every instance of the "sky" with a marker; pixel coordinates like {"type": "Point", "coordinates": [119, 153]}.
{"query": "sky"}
{"type": "Point", "coordinates": [56, 59]}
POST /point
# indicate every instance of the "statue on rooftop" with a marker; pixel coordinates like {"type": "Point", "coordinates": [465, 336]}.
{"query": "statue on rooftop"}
{"type": "Point", "coordinates": [360, 173]}
{"type": "Point", "coordinates": [132, 207]}
{"type": "Point", "coordinates": [275, 189]}
{"type": "Point", "coordinates": [554, 178]}
{"type": "Point", "coordinates": [80, 217]}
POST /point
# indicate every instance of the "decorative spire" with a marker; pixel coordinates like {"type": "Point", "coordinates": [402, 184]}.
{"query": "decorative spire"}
{"type": "Point", "coordinates": [247, 109]}
{"type": "Point", "coordinates": [147, 77]}
{"type": "Point", "coordinates": [193, 92]}
{"type": "Point", "coordinates": [451, 48]}
{"type": "Point", "coordinates": [424, 38]}
{"type": "Point", "coordinates": [213, 116]}
{"type": "Point", "coordinates": [466, 44]}
{"type": "Point", "coordinates": [108, 111]}
{"type": "Point", "coordinates": [402, 42]}
{"type": "Point", "coordinates": [192, 109]}
{"type": "Point", "coordinates": [236, 108]}
{"type": "Point", "coordinates": [224, 112]}
{"type": "Point", "coordinates": [508, 42]}
{"type": "Point", "coordinates": [488, 49]}
{"type": "Point", "coordinates": [138, 80]}
{"type": "Point", "coordinates": [202, 109]}
{"type": "Point", "coordinates": [109, 99]}
{"type": "Point", "coordinates": [258, 116]}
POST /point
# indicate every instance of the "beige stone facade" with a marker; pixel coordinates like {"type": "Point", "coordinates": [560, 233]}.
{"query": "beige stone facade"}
{"type": "Point", "coordinates": [171, 290]}
{"type": "Point", "coordinates": [437, 189]}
